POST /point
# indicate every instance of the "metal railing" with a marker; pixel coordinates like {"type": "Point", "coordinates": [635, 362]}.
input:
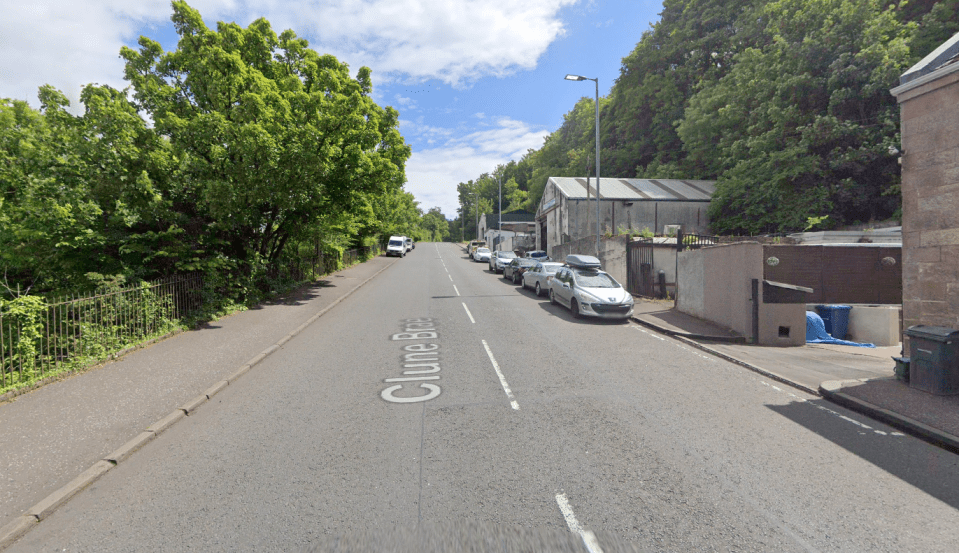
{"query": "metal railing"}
{"type": "Point", "coordinates": [689, 241]}
{"type": "Point", "coordinates": [49, 337]}
{"type": "Point", "coordinates": [40, 337]}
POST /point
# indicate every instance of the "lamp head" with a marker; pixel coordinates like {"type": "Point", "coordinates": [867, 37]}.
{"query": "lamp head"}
{"type": "Point", "coordinates": [575, 78]}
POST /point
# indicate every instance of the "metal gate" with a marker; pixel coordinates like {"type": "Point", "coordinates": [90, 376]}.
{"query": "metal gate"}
{"type": "Point", "coordinates": [639, 268]}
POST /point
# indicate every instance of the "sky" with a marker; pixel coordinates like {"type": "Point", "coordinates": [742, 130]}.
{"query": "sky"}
{"type": "Point", "coordinates": [476, 82]}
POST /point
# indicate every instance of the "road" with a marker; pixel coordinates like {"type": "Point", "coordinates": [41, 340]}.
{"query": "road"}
{"type": "Point", "coordinates": [524, 428]}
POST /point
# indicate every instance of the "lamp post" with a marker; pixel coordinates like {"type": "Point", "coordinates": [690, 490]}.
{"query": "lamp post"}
{"type": "Point", "coordinates": [596, 80]}
{"type": "Point", "coordinates": [499, 179]}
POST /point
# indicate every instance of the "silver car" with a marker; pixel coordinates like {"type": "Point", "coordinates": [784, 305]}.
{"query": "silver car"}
{"type": "Point", "coordinates": [499, 260]}
{"type": "Point", "coordinates": [539, 275]}
{"type": "Point", "coordinates": [590, 293]}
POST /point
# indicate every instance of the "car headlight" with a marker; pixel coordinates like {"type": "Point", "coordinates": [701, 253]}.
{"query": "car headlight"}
{"type": "Point", "coordinates": [629, 300]}
{"type": "Point", "coordinates": [589, 297]}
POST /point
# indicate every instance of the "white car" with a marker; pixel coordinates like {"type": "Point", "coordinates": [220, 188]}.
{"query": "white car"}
{"type": "Point", "coordinates": [588, 291]}
{"type": "Point", "coordinates": [500, 259]}
{"type": "Point", "coordinates": [481, 254]}
{"type": "Point", "coordinates": [538, 276]}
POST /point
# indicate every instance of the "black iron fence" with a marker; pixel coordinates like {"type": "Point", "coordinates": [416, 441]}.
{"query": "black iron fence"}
{"type": "Point", "coordinates": [40, 337]}
{"type": "Point", "coordinates": [692, 241]}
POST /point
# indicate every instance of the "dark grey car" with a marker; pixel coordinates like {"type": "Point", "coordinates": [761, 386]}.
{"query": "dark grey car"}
{"type": "Point", "coordinates": [514, 271]}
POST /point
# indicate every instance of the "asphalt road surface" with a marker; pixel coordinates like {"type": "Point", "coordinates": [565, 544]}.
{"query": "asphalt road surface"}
{"type": "Point", "coordinates": [440, 408]}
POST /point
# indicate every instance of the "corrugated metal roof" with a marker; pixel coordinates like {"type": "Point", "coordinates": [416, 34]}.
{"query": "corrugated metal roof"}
{"type": "Point", "coordinates": [637, 189]}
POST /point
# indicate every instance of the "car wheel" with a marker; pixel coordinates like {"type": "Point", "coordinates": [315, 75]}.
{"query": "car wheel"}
{"type": "Point", "coordinates": [552, 297]}
{"type": "Point", "coordinates": [515, 278]}
{"type": "Point", "coordinates": [539, 291]}
{"type": "Point", "coordinates": [574, 309]}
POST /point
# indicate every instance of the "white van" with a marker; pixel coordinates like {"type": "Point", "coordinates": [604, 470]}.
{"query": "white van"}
{"type": "Point", "coordinates": [396, 246]}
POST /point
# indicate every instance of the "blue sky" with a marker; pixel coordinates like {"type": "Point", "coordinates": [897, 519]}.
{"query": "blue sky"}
{"type": "Point", "coordinates": [476, 82]}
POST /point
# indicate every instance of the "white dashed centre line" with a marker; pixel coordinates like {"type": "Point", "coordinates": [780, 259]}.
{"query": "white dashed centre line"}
{"type": "Point", "coordinates": [456, 289]}
{"type": "Point", "coordinates": [468, 314]}
{"type": "Point", "coordinates": [502, 379]}
{"type": "Point", "coordinates": [589, 539]}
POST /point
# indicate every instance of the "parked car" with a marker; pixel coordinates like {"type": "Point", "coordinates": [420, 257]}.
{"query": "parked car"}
{"type": "Point", "coordinates": [539, 275]}
{"type": "Point", "coordinates": [396, 246]}
{"type": "Point", "coordinates": [514, 271]}
{"type": "Point", "coordinates": [587, 291]}
{"type": "Point", "coordinates": [471, 247]}
{"type": "Point", "coordinates": [481, 254]}
{"type": "Point", "coordinates": [499, 260]}
{"type": "Point", "coordinates": [538, 255]}
{"type": "Point", "coordinates": [409, 245]}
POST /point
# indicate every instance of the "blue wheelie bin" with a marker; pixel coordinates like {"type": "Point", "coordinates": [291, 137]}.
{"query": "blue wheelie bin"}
{"type": "Point", "coordinates": [836, 319]}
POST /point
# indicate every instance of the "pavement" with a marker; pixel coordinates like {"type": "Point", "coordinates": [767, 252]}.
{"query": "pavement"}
{"type": "Point", "coordinates": [63, 436]}
{"type": "Point", "coordinates": [860, 379]}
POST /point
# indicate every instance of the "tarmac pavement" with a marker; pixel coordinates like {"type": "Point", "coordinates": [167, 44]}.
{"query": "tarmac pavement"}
{"type": "Point", "coordinates": [860, 379]}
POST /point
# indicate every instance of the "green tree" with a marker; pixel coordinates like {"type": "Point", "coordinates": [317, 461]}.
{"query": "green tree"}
{"type": "Point", "coordinates": [802, 125]}
{"type": "Point", "coordinates": [272, 139]}
{"type": "Point", "coordinates": [436, 225]}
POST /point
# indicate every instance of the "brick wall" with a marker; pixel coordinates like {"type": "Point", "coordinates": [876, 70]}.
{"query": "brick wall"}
{"type": "Point", "coordinates": [930, 202]}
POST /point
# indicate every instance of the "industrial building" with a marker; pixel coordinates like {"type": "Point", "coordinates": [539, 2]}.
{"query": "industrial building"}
{"type": "Point", "coordinates": [567, 210]}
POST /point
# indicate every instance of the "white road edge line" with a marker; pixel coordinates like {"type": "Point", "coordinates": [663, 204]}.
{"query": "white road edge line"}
{"type": "Point", "coordinates": [468, 314]}
{"type": "Point", "coordinates": [457, 290]}
{"type": "Point", "coordinates": [589, 539]}
{"type": "Point", "coordinates": [502, 379]}
{"type": "Point", "coordinates": [643, 330]}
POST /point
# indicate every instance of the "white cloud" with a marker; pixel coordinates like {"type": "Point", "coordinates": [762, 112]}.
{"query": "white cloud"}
{"type": "Point", "coordinates": [72, 43]}
{"type": "Point", "coordinates": [454, 41]}
{"type": "Point", "coordinates": [405, 102]}
{"type": "Point", "coordinates": [69, 44]}
{"type": "Point", "coordinates": [433, 174]}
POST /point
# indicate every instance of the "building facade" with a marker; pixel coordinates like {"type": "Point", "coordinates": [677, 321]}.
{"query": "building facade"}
{"type": "Point", "coordinates": [928, 96]}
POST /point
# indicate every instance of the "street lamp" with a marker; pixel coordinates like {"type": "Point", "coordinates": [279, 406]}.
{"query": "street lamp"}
{"type": "Point", "coordinates": [499, 179]}
{"type": "Point", "coordinates": [596, 80]}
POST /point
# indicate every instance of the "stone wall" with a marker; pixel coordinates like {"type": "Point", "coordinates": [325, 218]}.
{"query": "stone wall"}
{"type": "Point", "coordinates": [930, 202]}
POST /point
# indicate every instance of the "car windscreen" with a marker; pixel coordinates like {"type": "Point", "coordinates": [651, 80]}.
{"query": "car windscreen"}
{"type": "Point", "coordinates": [482, 250]}
{"type": "Point", "coordinates": [396, 242]}
{"type": "Point", "coordinates": [551, 268]}
{"type": "Point", "coordinates": [525, 262]}
{"type": "Point", "coordinates": [506, 255]}
{"type": "Point", "coordinates": [594, 279]}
